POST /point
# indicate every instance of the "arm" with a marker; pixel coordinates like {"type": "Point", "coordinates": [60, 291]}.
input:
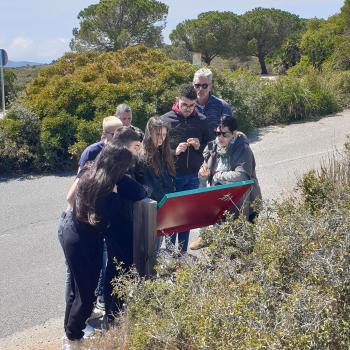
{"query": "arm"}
{"type": "Point", "coordinates": [71, 194]}
{"type": "Point", "coordinates": [205, 137]}
{"type": "Point", "coordinates": [139, 170]}
{"type": "Point", "coordinates": [242, 169]}
{"type": "Point", "coordinates": [227, 110]}
{"type": "Point", "coordinates": [129, 189]}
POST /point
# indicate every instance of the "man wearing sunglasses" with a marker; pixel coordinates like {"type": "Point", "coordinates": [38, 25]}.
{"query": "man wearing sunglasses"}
{"type": "Point", "coordinates": [188, 134]}
{"type": "Point", "coordinates": [209, 105]}
{"type": "Point", "coordinates": [228, 159]}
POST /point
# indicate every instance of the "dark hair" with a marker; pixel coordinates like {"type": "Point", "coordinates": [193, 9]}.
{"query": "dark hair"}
{"type": "Point", "coordinates": [188, 91]}
{"type": "Point", "coordinates": [228, 122]}
{"type": "Point", "coordinates": [97, 182]}
{"type": "Point", "coordinates": [153, 156]}
{"type": "Point", "coordinates": [125, 135]}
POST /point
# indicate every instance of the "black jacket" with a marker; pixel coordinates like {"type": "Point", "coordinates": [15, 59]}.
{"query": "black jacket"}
{"type": "Point", "coordinates": [156, 186]}
{"type": "Point", "coordinates": [181, 129]}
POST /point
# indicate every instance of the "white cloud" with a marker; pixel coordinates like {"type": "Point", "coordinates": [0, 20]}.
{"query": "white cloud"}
{"type": "Point", "coordinates": [22, 48]}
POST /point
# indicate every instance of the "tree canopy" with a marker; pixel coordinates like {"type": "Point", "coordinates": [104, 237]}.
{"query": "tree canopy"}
{"type": "Point", "coordinates": [345, 15]}
{"type": "Point", "coordinates": [114, 24]}
{"type": "Point", "coordinates": [212, 33]}
{"type": "Point", "coordinates": [318, 42]}
{"type": "Point", "coordinates": [267, 29]}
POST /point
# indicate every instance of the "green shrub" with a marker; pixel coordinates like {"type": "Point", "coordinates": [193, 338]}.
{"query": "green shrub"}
{"type": "Point", "coordinates": [80, 89]}
{"type": "Point", "coordinates": [282, 283]}
{"type": "Point", "coordinates": [260, 102]}
{"type": "Point", "coordinates": [340, 58]}
{"type": "Point", "coordinates": [19, 139]}
{"type": "Point", "coordinates": [56, 135]}
{"type": "Point", "coordinates": [340, 83]}
{"type": "Point", "coordinates": [87, 133]}
{"type": "Point", "coordinates": [90, 85]}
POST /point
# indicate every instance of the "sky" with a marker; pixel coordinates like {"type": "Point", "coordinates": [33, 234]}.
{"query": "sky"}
{"type": "Point", "coordinates": [40, 30]}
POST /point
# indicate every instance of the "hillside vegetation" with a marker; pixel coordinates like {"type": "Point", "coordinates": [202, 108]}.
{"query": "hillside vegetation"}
{"type": "Point", "coordinates": [59, 113]}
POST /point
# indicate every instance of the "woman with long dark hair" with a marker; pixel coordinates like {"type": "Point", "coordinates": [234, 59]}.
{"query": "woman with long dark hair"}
{"type": "Point", "coordinates": [97, 195]}
{"type": "Point", "coordinates": [158, 174]}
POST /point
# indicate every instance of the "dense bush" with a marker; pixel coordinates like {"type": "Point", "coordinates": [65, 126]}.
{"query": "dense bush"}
{"type": "Point", "coordinates": [80, 89]}
{"type": "Point", "coordinates": [90, 85]}
{"type": "Point", "coordinates": [19, 139]}
{"type": "Point", "coordinates": [56, 135]}
{"type": "Point", "coordinates": [280, 284]}
{"type": "Point", "coordinates": [73, 95]}
{"type": "Point", "coordinates": [259, 102]}
{"type": "Point", "coordinates": [325, 45]}
{"type": "Point", "coordinates": [340, 82]}
{"type": "Point", "coordinates": [9, 86]}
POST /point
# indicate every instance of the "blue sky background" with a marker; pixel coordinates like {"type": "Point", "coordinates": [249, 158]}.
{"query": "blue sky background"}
{"type": "Point", "coordinates": [40, 30]}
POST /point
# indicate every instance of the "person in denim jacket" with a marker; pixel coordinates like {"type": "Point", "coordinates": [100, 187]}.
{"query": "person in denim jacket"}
{"type": "Point", "coordinates": [209, 105]}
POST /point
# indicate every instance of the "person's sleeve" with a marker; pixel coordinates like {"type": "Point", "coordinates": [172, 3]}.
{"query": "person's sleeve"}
{"type": "Point", "coordinates": [84, 158]}
{"type": "Point", "coordinates": [205, 136]}
{"type": "Point", "coordinates": [139, 171]}
{"type": "Point", "coordinates": [130, 189]}
{"type": "Point", "coordinates": [206, 153]}
{"type": "Point", "coordinates": [243, 171]}
{"type": "Point", "coordinates": [227, 110]}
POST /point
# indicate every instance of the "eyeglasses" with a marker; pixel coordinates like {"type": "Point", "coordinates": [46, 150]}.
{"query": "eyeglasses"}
{"type": "Point", "coordinates": [184, 105]}
{"type": "Point", "coordinates": [203, 86]}
{"type": "Point", "coordinates": [223, 133]}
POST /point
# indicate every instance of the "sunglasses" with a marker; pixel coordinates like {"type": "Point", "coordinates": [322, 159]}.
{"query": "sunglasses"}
{"type": "Point", "coordinates": [184, 105]}
{"type": "Point", "coordinates": [223, 133]}
{"type": "Point", "coordinates": [203, 86]}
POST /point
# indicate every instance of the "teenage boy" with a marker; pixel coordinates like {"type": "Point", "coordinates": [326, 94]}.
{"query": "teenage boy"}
{"type": "Point", "coordinates": [188, 136]}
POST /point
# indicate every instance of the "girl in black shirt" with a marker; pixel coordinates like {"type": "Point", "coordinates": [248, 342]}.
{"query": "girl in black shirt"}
{"type": "Point", "coordinates": [97, 194]}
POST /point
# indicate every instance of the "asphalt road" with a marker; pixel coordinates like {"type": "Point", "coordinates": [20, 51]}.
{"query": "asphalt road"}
{"type": "Point", "coordinates": [32, 270]}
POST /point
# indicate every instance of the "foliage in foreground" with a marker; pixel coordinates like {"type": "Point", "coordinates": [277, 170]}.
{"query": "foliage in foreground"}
{"type": "Point", "coordinates": [280, 284]}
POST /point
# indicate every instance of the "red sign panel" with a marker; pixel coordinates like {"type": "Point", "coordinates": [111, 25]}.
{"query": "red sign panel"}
{"type": "Point", "coordinates": [186, 210]}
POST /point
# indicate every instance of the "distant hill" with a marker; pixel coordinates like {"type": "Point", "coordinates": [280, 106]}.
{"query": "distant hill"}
{"type": "Point", "coordinates": [14, 64]}
{"type": "Point", "coordinates": [25, 74]}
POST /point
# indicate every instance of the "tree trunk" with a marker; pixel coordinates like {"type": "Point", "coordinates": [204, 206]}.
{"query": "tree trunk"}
{"type": "Point", "coordinates": [261, 58]}
{"type": "Point", "coordinates": [207, 59]}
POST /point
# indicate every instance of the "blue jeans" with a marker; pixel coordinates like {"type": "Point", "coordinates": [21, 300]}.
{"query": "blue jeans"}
{"type": "Point", "coordinates": [184, 183]}
{"type": "Point", "coordinates": [99, 290]}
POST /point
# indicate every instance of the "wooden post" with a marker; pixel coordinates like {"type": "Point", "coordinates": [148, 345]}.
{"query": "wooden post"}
{"type": "Point", "coordinates": [144, 236]}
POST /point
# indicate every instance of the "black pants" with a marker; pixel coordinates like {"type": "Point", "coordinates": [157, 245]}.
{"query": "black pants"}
{"type": "Point", "coordinates": [119, 241]}
{"type": "Point", "coordinates": [83, 251]}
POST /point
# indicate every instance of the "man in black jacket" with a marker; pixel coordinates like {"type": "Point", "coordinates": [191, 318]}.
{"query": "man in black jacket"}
{"type": "Point", "coordinates": [188, 137]}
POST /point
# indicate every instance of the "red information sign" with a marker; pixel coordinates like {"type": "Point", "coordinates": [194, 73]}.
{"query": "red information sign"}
{"type": "Point", "coordinates": [186, 210]}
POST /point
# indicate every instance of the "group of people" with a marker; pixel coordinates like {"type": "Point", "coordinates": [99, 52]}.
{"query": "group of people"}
{"type": "Point", "coordinates": [195, 143]}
